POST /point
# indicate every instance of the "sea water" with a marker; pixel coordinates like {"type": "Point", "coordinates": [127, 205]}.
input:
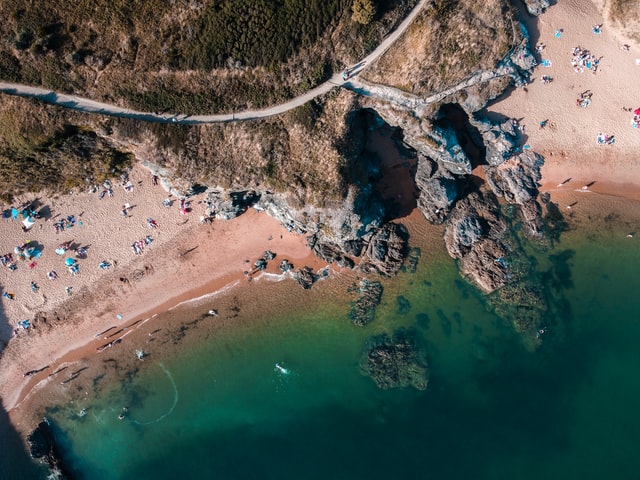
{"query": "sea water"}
{"type": "Point", "coordinates": [495, 408]}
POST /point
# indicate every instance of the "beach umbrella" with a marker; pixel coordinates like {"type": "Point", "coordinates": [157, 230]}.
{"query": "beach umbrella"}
{"type": "Point", "coordinates": [636, 111]}
{"type": "Point", "coordinates": [69, 261]}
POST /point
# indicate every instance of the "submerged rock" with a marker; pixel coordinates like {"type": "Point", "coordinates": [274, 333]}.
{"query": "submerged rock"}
{"type": "Point", "coordinates": [363, 310]}
{"type": "Point", "coordinates": [395, 362]}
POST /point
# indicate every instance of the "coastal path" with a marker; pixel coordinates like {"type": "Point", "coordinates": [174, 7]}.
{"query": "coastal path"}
{"type": "Point", "coordinates": [90, 106]}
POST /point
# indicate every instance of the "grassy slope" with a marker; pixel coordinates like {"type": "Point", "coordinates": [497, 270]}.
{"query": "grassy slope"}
{"type": "Point", "coordinates": [448, 42]}
{"type": "Point", "coordinates": [186, 56]}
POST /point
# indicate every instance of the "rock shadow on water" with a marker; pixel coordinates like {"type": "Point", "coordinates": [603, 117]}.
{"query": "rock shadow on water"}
{"type": "Point", "coordinates": [445, 323]}
{"type": "Point", "coordinates": [403, 305]}
{"type": "Point", "coordinates": [423, 321]}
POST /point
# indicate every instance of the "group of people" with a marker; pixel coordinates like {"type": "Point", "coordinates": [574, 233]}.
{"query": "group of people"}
{"type": "Point", "coordinates": [584, 100]}
{"type": "Point", "coordinates": [138, 247]}
{"type": "Point", "coordinates": [64, 223]}
{"type": "Point", "coordinates": [584, 59]}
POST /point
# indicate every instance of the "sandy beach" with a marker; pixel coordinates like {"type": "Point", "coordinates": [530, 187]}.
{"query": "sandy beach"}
{"type": "Point", "coordinates": [568, 141]}
{"type": "Point", "coordinates": [187, 259]}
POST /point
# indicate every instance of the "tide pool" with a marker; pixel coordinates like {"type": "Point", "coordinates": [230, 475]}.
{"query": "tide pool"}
{"type": "Point", "coordinates": [493, 409]}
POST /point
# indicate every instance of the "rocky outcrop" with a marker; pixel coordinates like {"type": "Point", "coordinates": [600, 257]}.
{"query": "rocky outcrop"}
{"type": "Point", "coordinates": [229, 204]}
{"type": "Point", "coordinates": [476, 235]}
{"type": "Point", "coordinates": [386, 250]}
{"type": "Point", "coordinates": [500, 140]}
{"type": "Point", "coordinates": [516, 179]}
{"type": "Point", "coordinates": [438, 190]}
{"type": "Point", "coordinates": [306, 277]}
{"type": "Point", "coordinates": [42, 447]}
{"type": "Point", "coordinates": [536, 7]}
{"type": "Point", "coordinates": [395, 362]}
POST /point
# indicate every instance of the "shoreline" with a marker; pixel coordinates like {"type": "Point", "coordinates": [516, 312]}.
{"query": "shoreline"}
{"type": "Point", "coordinates": [215, 266]}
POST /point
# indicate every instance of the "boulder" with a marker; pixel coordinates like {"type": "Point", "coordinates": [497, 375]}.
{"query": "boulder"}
{"type": "Point", "coordinates": [228, 205]}
{"type": "Point", "coordinates": [306, 277]}
{"type": "Point", "coordinates": [536, 7]}
{"type": "Point", "coordinates": [522, 57]}
{"type": "Point", "coordinates": [500, 139]}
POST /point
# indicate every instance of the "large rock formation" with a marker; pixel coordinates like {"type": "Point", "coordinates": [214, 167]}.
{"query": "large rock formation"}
{"type": "Point", "coordinates": [386, 250]}
{"type": "Point", "coordinates": [438, 190]}
{"type": "Point", "coordinates": [476, 235]}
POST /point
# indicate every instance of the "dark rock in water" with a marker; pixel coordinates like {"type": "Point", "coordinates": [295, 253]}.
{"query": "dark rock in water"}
{"type": "Point", "coordinates": [438, 190]}
{"type": "Point", "coordinates": [404, 305]}
{"type": "Point", "coordinates": [386, 250]}
{"type": "Point", "coordinates": [536, 7]}
{"type": "Point", "coordinates": [285, 265]}
{"type": "Point", "coordinates": [363, 310]}
{"type": "Point", "coordinates": [306, 277]}
{"type": "Point", "coordinates": [413, 258]}
{"type": "Point", "coordinates": [423, 321]}
{"type": "Point", "coordinates": [42, 447]}
{"type": "Point", "coordinates": [396, 361]}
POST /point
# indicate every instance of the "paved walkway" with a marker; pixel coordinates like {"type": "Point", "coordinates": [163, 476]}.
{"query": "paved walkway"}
{"type": "Point", "coordinates": [91, 106]}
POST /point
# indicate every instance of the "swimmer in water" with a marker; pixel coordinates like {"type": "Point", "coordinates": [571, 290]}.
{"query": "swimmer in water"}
{"type": "Point", "coordinates": [123, 413]}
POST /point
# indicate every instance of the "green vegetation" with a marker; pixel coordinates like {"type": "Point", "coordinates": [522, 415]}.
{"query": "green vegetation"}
{"type": "Point", "coordinates": [184, 56]}
{"type": "Point", "coordinates": [55, 159]}
{"type": "Point", "coordinates": [256, 33]}
{"type": "Point", "coordinates": [363, 11]}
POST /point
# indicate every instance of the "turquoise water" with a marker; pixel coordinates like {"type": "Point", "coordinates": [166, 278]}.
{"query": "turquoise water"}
{"type": "Point", "coordinates": [494, 408]}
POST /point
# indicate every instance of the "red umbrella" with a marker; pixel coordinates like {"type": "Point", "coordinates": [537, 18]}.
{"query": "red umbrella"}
{"type": "Point", "coordinates": [636, 111]}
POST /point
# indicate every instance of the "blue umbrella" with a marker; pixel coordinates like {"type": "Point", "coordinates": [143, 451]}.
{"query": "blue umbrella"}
{"type": "Point", "coordinates": [69, 261]}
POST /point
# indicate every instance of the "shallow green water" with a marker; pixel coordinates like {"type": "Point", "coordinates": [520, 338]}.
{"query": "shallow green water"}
{"type": "Point", "coordinates": [493, 409]}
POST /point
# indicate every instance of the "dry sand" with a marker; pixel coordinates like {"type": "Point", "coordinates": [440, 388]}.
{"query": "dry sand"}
{"type": "Point", "coordinates": [166, 275]}
{"type": "Point", "coordinates": [568, 142]}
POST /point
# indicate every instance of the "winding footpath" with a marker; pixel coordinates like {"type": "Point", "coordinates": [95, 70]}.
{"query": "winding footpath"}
{"type": "Point", "coordinates": [90, 106]}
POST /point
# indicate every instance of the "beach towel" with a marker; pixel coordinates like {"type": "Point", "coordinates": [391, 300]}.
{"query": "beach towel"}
{"type": "Point", "coordinates": [14, 213]}
{"type": "Point", "coordinates": [546, 63]}
{"type": "Point", "coordinates": [28, 223]}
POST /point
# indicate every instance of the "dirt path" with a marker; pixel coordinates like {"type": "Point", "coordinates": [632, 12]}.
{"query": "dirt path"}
{"type": "Point", "coordinates": [91, 106]}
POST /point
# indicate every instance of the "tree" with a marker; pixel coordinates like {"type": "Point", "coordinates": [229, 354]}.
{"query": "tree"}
{"type": "Point", "coordinates": [363, 11]}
